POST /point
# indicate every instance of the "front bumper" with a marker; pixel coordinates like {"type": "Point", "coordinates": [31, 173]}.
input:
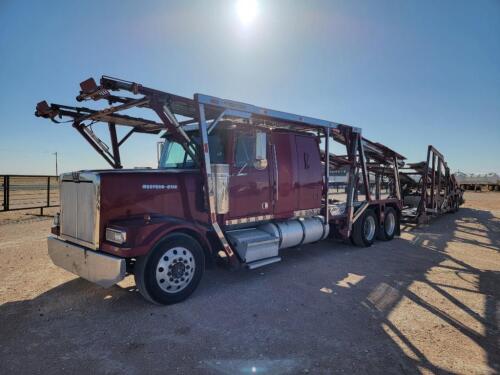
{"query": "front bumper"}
{"type": "Point", "coordinates": [102, 269]}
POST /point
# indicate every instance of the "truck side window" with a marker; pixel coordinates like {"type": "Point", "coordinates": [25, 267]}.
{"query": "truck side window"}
{"type": "Point", "coordinates": [245, 150]}
{"type": "Point", "coordinates": [217, 149]}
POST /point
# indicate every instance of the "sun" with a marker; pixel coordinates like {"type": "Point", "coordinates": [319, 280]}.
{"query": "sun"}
{"type": "Point", "coordinates": [247, 11]}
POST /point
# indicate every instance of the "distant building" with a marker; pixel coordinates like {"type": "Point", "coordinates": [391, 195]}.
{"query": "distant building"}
{"type": "Point", "coordinates": [475, 181]}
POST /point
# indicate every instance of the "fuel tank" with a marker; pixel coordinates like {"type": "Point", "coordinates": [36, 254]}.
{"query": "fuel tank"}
{"type": "Point", "coordinates": [298, 231]}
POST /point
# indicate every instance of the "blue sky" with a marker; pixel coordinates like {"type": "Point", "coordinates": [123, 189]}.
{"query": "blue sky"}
{"type": "Point", "coordinates": [409, 73]}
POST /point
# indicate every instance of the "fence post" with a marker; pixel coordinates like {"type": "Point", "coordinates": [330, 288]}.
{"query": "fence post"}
{"type": "Point", "coordinates": [48, 191]}
{"type": "Point", "coordinates": [6, 193]}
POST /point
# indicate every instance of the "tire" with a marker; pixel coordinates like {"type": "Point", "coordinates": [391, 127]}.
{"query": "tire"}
{"type": "Point", "coordinates": [453, 206]}
{"type": "Point", "coordinates": [388, 229]}
{"type": "Point", "coordinates": [171, 271]}
{"type": "Point", "coordinates": [362, 235]}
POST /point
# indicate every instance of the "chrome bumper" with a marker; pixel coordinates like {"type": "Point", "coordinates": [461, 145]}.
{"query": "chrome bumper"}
{"type": "Point", "coordinates": [105, 270]}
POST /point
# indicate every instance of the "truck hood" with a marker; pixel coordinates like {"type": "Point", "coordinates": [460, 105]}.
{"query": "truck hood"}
{"type": "Point", "coordinates": [91, 174]}
{"type": "Point", "coordinates": [93, 199]}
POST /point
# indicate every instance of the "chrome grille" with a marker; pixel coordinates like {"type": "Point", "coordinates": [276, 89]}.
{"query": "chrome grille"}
{"type": "Point", "coordinates": [80, 208]}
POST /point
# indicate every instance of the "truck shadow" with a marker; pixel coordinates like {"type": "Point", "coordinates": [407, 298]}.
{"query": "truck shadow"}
{"type": "Point", "coordinates": [438, 246]}
{"type": "Point", "coordinates": [336, 302]}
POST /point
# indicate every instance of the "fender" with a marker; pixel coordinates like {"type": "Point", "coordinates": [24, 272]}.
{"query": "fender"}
{"type": "Point", "coordinates": [143, 233]}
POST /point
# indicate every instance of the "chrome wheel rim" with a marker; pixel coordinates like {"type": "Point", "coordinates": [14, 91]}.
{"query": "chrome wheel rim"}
{"type": "Point", "coordinates": [369, 229]}
{"type": "Point", "coordinates": [175, 269]}
{"type": "Point", "coordinates": [390, 224]}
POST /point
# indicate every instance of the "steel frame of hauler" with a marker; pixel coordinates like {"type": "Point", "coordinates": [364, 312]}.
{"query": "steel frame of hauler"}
{"type": "Point", "coordinates": [435, 192]}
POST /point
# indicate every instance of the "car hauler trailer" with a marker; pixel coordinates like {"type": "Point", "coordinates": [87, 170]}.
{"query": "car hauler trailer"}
{"type": "Point", "coordinates": [429, 189]}
{"type": "Point", "coordinates": [235, 182]}
{"type": "Point", "coordinates": [374, 188]}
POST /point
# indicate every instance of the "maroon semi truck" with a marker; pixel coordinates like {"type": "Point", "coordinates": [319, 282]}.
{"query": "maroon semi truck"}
{"type": "Point", "coordinates": [235, 184]}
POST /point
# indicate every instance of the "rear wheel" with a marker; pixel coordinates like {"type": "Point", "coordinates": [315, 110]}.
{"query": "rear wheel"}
{"type": "Point", "coordinates": [171, 271]}
{"type": "Point", "coordinates": [364, 229]}
{"type": "Point", "coordinates": [453, 206]}
{"type": "Point", "coordinates": [388, 230]}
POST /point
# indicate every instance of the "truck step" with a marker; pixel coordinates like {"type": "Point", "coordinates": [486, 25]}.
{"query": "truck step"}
{"type": "Point", "coordinates": [254, 244]}
{"type": "Point", "coordinates": [263, 262]}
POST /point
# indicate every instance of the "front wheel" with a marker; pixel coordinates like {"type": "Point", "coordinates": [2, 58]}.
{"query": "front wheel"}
{"type": "Point", "coordinates": [171, 271]}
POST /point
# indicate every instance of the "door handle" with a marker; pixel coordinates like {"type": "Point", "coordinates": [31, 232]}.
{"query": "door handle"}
{"type": "Point", "coordinates": [276, 174]}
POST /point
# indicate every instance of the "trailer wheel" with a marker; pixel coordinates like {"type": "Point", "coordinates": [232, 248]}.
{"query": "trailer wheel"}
{"type": "Point", "coordinates": [364, 229]}
{"type": "Point", "coordinates": [453, 206]}
{"type": "Point", "coordinates": [171, 271]}
{"type": "Point", "coordinates": [388, 230]}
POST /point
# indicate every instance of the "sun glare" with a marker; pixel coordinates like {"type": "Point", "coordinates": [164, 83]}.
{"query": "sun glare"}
{"type": "Point", "coordinates": [247, 11]}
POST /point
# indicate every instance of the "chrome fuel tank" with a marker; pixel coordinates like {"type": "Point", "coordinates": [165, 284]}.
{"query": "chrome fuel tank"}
{"type": "Point", "coordinates": [297, 231]}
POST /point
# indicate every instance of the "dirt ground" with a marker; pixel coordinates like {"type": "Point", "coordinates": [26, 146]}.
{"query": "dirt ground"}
{"type": "Point", "coordinates": [427, 302]}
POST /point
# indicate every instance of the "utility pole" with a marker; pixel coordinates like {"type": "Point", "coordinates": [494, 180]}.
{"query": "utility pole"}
{"type": "Point", "coordinates": [55, 153]}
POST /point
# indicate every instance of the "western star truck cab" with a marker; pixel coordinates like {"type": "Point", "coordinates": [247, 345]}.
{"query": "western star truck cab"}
{"type": "Point", "coordinates": [235, 183]}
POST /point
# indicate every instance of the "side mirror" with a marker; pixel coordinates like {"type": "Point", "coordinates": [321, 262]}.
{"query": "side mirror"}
{"type": "Point", "coordinates": [260, 164]}
{"type": "Point", "coordinates": [260, 150]}
{"type": "Point", "coordinates": [159, 151]}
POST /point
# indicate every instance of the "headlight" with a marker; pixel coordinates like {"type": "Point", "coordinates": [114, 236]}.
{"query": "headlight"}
{"type": "Point", "coordinates": [116, 236]}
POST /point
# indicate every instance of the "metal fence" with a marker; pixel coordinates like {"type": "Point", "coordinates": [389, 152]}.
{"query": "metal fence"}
{"type": "Point", "coordinates": [23, 192]}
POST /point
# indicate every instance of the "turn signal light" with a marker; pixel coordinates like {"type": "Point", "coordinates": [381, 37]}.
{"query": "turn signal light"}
{"type": "Point", "coordinates": [116, 236]}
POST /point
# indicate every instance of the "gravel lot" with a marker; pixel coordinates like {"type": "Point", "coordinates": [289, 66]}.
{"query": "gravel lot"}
{"type": "Point", "coordinates": [427, 302]}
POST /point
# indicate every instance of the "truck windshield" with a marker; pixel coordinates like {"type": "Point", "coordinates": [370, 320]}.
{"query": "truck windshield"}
{"type": "Point", "coordinates": [173, 154]}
